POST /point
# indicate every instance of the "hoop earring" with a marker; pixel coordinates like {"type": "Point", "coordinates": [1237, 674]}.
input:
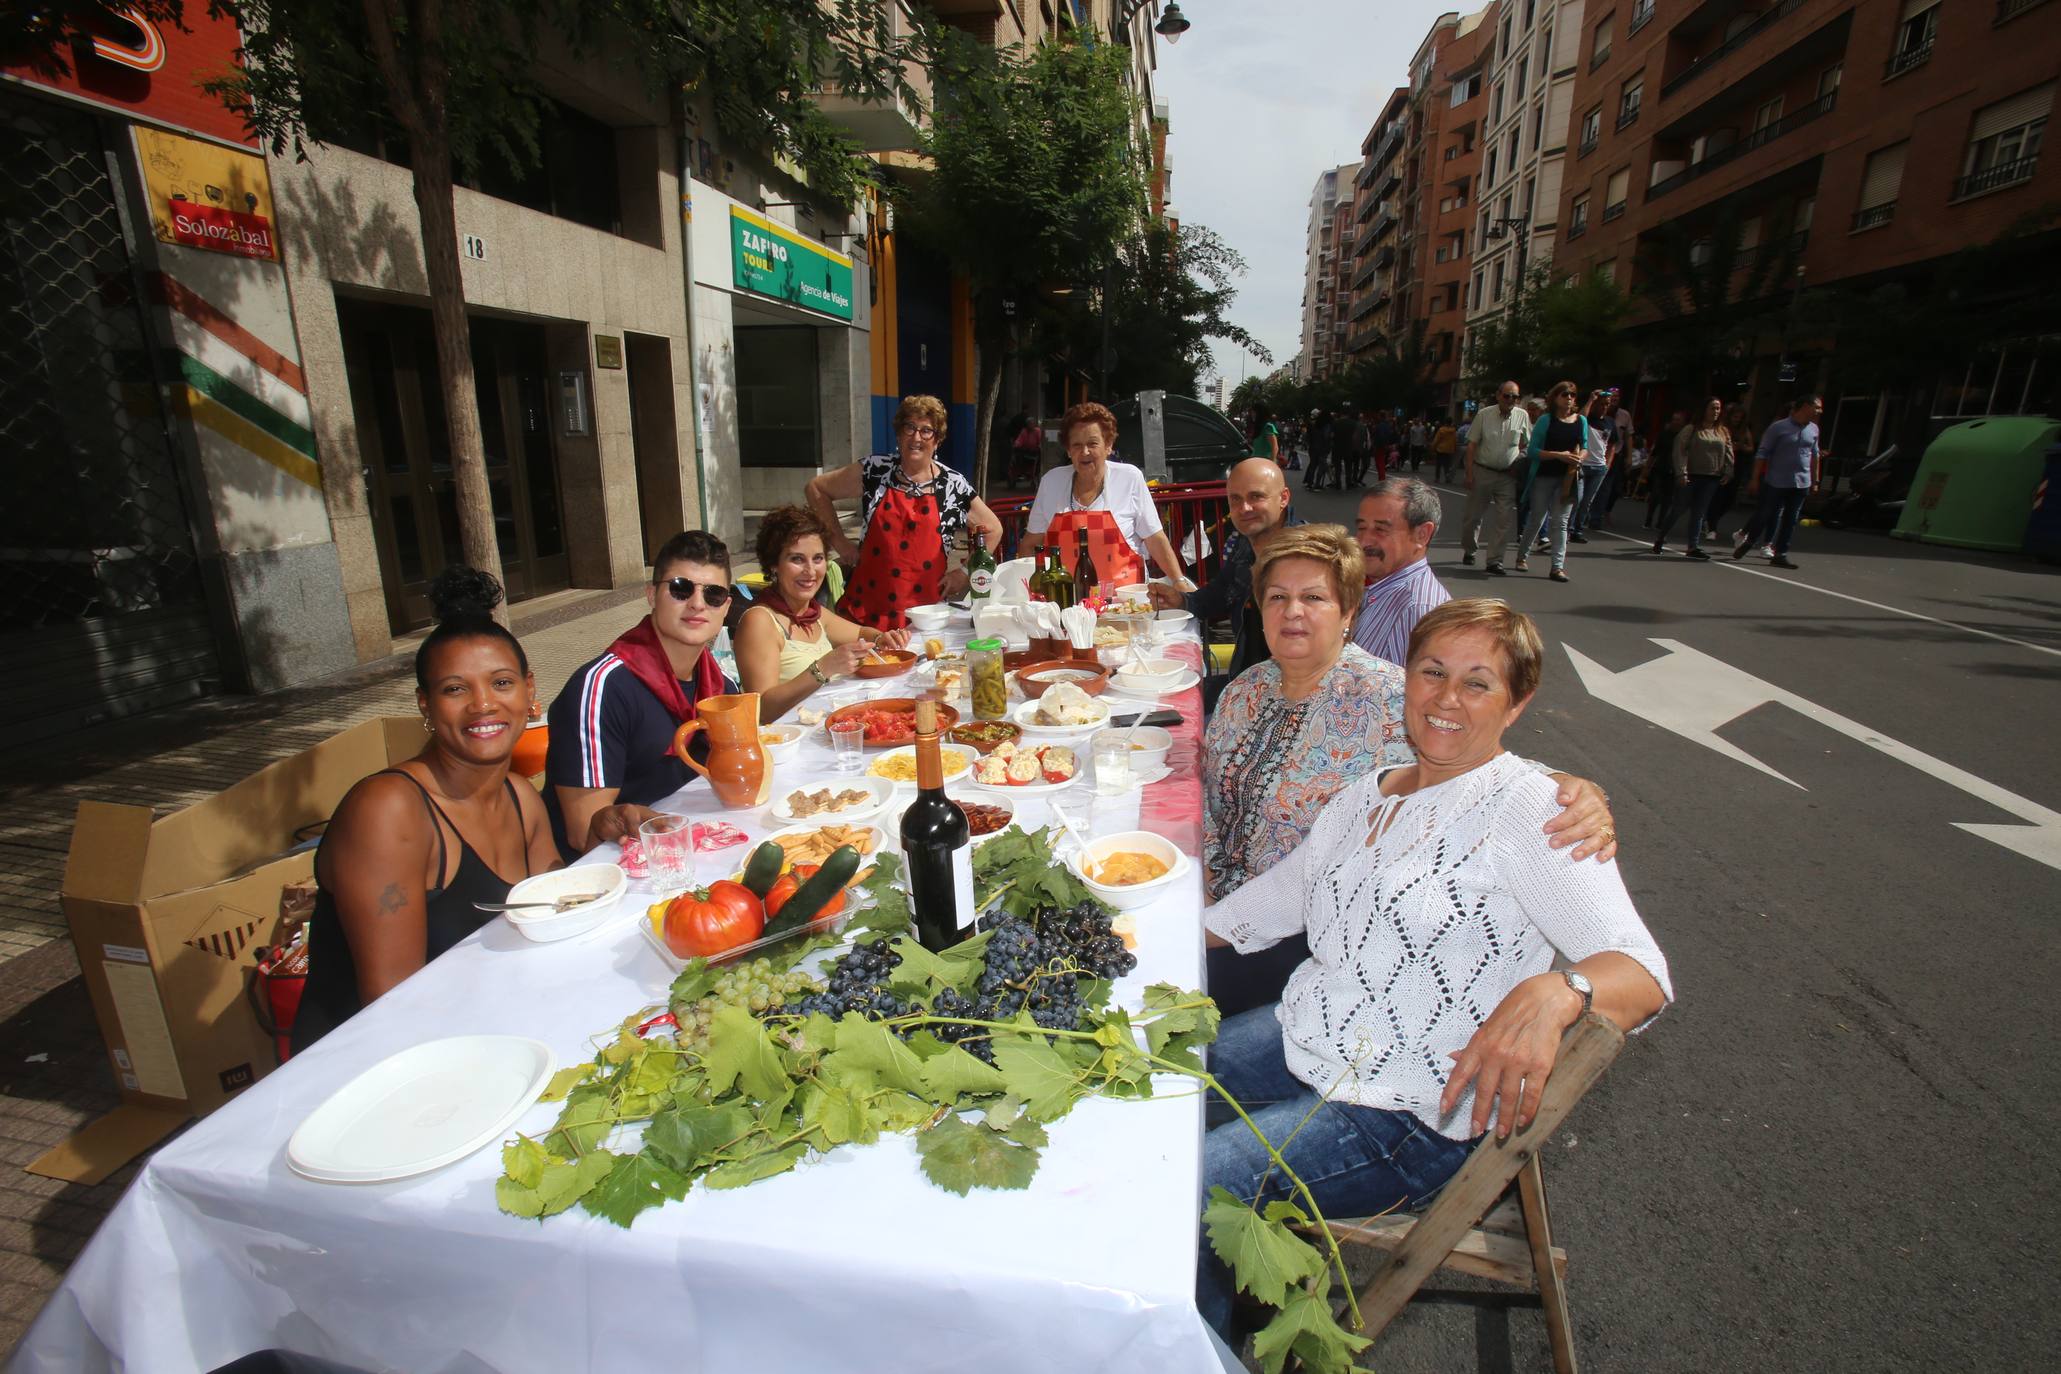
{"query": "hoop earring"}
{"type": "Point", "coordinates": [427, 728]}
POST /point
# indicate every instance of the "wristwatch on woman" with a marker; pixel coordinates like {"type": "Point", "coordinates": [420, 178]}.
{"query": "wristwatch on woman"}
{"type": "Point", "coordinates": [822, 678]}
{"type": "Point", "coordinates": [1582, 986]}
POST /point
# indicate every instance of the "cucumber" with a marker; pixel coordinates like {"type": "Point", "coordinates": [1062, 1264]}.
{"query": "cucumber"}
{"type": "Point", "coordinates": [762, 869]}
{"type": "Point", "coordinates": [812, 896]}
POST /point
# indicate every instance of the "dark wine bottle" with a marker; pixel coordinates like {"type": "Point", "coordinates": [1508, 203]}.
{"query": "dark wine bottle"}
{"type": "Point", "coordinates": [937, 845]}
{"type": "Point", "coordinates": [1083, 570]}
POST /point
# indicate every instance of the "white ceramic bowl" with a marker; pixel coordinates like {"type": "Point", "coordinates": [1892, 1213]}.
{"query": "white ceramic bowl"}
{"type": "Point", "coordinates": [781, 741]}
{"type": "Point", "coordinates": [931, 618]}
{"type": "Point", "coordinates": [1171, 621]}
{"type": "Point", "coordinates": [1152, 675]}
{"type": "Point", "coordinates": [1134, 895]}
{"type": "Point", "coordinates": [605, 882]}
{"type": "Point", "coordinates": [1148, 747]}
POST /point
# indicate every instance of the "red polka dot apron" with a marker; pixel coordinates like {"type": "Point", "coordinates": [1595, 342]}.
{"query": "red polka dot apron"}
{"type": "Point", "coordinates": [901, 561]}
{"type": "Point", "coordinates": [1116, 563]}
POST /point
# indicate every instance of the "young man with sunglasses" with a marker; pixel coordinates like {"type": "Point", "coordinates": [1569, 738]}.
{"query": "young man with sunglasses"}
{"type": "Point", "coordinates": [612, 726]}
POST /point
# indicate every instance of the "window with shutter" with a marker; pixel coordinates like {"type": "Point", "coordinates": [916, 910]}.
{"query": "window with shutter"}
{"type": "Point", "coordinates": [1884, 176]}
{"type": "Point", "coordinates": [1620, 182]}
{"type": "Point", "coordinates": [2019, 110]}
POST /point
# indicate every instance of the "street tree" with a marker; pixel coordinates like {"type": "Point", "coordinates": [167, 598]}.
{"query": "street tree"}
{"type": "Point", "coordinates": [1713, 293]}
{"type": "Point", "coordinates": [1037, 184]}
{"type": "Point", "coordinates": [1581, 328]}
{"type": "Point", "coordinates": [458, 81]}
{"type": "Point", "coordinates": [1170, 294]}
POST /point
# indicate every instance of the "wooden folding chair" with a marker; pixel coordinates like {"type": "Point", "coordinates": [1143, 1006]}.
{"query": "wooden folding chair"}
{"type": "Point", "coordinates": [1514, 1242]}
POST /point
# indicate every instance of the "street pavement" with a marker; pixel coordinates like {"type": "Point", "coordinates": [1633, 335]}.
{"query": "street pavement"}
{"type": "Point", "coordinates": [1834, 1152]}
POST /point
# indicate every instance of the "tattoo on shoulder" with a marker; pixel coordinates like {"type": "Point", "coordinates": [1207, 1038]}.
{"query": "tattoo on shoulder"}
{"type": "Point", "coordinates": [391, 900]}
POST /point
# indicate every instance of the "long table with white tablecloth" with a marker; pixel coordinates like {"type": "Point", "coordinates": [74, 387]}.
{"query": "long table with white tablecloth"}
{"type": "Point", "coordinates": [853, 1262]}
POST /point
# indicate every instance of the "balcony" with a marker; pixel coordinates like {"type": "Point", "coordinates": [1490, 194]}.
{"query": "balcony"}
{"type": "Point", "coordinates": [1383, 256]}
{"type": "Point", "coordinates": [1627, 118]}
{"type": "Point", "coordinates": [1361, 341]}
{"type": "Point", "coordinates": [1907, 60]}
{"type": "Point", "coordinates": [1874, 217]}
{"type": "Point", "coordinates": [1759, 138]}
{"type": "Point", "coordinates": [1995, 178]}
{"type": "Point", "coordinates": [1388, 181]}
{"type": "Point", "coordinates": [1363, 242]}
{"type": "Point", "coordinates": [1365, 274]}
{"type": "Point", "coordinates": [1729, 46]}
{"type": "Point", "coordinates": [1369, 303]}
{"type": "Point", "coordinates": [1386, 222]}
{"type": "Point", "coordinates": [882, 126]}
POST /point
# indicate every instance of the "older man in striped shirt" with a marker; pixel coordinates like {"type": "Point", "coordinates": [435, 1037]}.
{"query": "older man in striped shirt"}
{"type": "Point", "coordinates": [1396, 520]}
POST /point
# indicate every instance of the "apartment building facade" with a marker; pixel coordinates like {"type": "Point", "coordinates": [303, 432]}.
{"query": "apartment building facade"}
{"type": "Point", "coordinates": [1531, 101]}
{"type": "Point", "coordinates": [1456, 107]}
{"type": "Point", "coordinates": [1377, 216]}
{"type": "Point", "coordinates": [1857, 140]}
{"type": "Point", "coordinates": [1325, 257]}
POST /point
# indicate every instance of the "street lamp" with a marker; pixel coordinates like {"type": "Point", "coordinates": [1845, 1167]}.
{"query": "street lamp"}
{"type": "Point", "coordinates": [1172, 24]}
{"type": "Point", "coordinates": [1519, 225]}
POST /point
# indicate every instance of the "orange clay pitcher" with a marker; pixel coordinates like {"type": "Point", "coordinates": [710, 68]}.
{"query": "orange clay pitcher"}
{"type": "Point", "coordinates": [738, 769]}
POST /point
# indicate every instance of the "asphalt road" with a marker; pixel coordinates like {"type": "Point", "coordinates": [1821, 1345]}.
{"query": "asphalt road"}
{"type": "Point", "coordinates": [1836, 1151]}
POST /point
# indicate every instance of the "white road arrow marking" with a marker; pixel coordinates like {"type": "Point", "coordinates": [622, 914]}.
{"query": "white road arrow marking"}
{"type": "Point", "coordinates": [1692, 694]}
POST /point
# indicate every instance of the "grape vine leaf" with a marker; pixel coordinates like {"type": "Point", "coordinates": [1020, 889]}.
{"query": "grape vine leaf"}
{"type": "Point", "coordinates": [922, 973]}
{"type": "Point", "coordinates": [960, 1157]}
{"type": "Point", "coordinates": [637, 1183]}
{"type": "Point", "coordinates": [838, 1117]}
{"type": "Point", "coordinates": [950, 1073]}
{"type": "Point", "coordinates": [539, 1184]}
{"type": "Point", "coordinates": [1009, 1118]}
{"type": "Point", "coordinates": [741, 1053]}
{"type": "Point", "coordinates": [1306, 1328]}
{"type": "Point", "coordinates": [1180, 1019]}
{"type": "Point", "coordinates": [738, 1173]}
{"type": "Point", "coordinates": [697, 980]}
{"type": "Point", "coordinates": [687, 1137]}
{"type": "Point", "coordinates": [1040, 1074]}
{"type": "Point", "coordinates": [564, 1081]}
{"type": "Point", "coordinates": [870, 1046]}
{"type": "Point", "coordinates": [1264, 1255]}
{"type": "Point", "coordinates": [585, 1122]}
{"type": "Point", "coordinates": [890, 907]}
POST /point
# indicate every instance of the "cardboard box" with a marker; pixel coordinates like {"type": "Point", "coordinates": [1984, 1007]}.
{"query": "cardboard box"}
{"type": "Point", "coordinates": [170, 913]}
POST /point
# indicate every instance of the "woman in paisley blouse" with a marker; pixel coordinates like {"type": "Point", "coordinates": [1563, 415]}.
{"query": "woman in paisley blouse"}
{"type": "Point", "coordinates": [1292, 732]}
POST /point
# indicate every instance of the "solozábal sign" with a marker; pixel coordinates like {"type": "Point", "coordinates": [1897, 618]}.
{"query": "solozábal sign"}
{"type": "Point", "coordinates": [772, 260]}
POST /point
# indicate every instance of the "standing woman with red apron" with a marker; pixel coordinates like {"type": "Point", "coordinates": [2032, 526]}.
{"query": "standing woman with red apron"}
{"type": "Point", "coordinates": [1110, 500]}
{"type": "Point", "coordinates": [912, 510]}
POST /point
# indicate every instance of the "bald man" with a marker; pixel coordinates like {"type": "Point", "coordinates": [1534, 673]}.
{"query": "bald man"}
{"type": "Point", "coordinates": [1258, 493]}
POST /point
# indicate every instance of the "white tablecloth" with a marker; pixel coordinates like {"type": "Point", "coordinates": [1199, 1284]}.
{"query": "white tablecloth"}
{"type": "Point", "coordinates": [854, 1262]}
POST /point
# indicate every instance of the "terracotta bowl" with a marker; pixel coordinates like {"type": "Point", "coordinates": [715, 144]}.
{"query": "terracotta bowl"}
{"type": "Point", "coordinates": [1097, 677]}
{"type": "Point", "coordinates": [1017, 658]}
{"type": "Point", "coordinates": [947, 717]}
{"type": "Point", "coordinates": [899, 661]}
{"type": "Point", "coordinates": [1002, 730]}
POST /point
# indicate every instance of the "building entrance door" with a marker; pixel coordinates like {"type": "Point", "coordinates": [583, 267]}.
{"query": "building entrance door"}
{"type": "Point", "coordinates": [403, 440]}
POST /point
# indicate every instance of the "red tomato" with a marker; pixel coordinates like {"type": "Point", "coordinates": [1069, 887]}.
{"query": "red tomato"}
{"type": "Point", "coordinates": [737, 897]}
{"type": "Point", "coordinates": [697, 924]}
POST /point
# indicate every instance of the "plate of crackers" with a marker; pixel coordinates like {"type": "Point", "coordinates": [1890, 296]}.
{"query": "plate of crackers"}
{"type": "Point", "coordinates": [842, 802]}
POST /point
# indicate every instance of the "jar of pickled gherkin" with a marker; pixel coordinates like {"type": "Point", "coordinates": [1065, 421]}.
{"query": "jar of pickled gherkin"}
{"type": "Point", "coordinates": [987, 682]}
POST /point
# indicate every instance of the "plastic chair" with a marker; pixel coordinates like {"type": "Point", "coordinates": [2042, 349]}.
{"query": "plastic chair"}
{"type": "Point", "coordinates": [1514, 1242]}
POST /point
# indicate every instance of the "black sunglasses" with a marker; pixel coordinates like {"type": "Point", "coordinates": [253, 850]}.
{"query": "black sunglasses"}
{"type": "Point", "coordinates": [713, 594]}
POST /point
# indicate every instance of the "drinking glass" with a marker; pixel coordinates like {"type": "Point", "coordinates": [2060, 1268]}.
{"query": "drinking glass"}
{"type": "Point", "coordinates": [1112, 763]}
{"type": "Point", "coordinates": [669, 849]}
{"type": "Point", "coordinates": [848, 741]}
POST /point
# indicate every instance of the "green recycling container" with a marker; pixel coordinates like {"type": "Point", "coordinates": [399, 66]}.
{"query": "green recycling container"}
{"type": "Point", "coordinates": [1975, 485]}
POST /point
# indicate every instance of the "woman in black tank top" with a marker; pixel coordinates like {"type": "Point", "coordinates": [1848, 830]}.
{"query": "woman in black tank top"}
{"type": "Point", "coordinates": [410, 849]}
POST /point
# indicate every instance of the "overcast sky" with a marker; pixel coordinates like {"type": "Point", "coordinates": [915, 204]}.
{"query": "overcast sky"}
{"type": "Point", "coordinates": [1264, 97]}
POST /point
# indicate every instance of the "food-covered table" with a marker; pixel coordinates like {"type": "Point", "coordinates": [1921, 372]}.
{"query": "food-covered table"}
{"type": "Point", "coordinates": [852, 1262]}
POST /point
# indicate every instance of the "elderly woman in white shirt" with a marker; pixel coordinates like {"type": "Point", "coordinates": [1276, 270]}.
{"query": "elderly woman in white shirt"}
{"type": "Point", "coordinates": [1109, 500]}
{"type": "Point", "coordinates": [1430, 1008]}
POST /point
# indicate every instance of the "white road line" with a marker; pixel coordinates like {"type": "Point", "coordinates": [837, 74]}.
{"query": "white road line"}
{"type": "Point", "coordinates": [1724, 560]}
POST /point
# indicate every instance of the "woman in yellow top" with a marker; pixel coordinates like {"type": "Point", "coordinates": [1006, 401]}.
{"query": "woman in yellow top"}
{"type": "Point", "coordinates": [1443, 441]}
{"type": "Point", "coordinates": [787, 644]}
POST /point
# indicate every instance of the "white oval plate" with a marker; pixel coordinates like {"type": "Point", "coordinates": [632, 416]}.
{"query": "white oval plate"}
{"type": "Point", "coordinates": [428, 1106]}
{"type": "Point", "coordinates": [1026, 715]}
{"type": "Point", "coordinates": [883, 792]}
{"type": "Point", "coordinates": [1034, 789]}
{"type": "Point", "coordinates": [1188, 678]}
{"type": "Point", "coordinates": [908, 751]}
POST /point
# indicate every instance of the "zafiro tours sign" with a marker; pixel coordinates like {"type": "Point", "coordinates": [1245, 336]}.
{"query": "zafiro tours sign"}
{"type": "Point", "coordinates": [772, 260]}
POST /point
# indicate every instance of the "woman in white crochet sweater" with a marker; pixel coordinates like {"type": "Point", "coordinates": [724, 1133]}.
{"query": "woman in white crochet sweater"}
{"type": "Point", "coordinates": [1429, 1008]}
